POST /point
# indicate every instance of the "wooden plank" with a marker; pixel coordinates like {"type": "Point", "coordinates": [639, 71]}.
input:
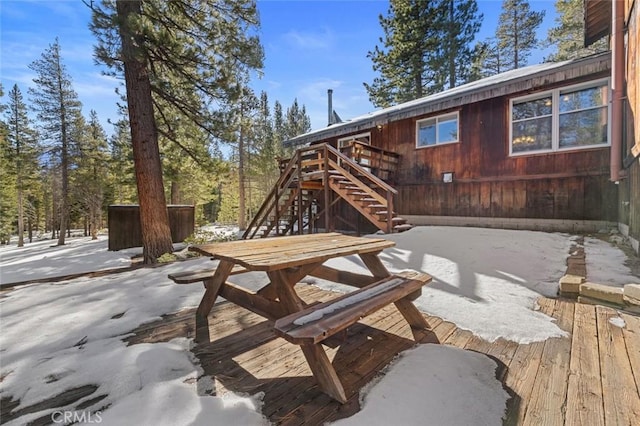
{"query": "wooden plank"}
{"type": "Point", "coordinates": [344, 277]}
{"type": "Point", "coordinates": [368, 362]}
{"type": "Point", "coordinates": [420, 328]}
{"type": "Point", "coordinates": [286, 293]}
{"type": "Point", "coordinates": [360, 356]}
{"type": "Point", "coordinates": [620, 394]}
{"type": "Point", "coordinates": [188, 277]}
{"type": "Point", "coordinates": [375, 265]}
{"type": "Point", "coordinates": [213, 287]}
{"type": "Point", "coordinates": [456, 336]}
{"type": "Point", "coordinates": [523, 371]}
{"type": "Point", "coordinates": [549, 392]}
{"type": "Point", "coordinates": [631, 333]}
{"type": "Point", "coordinates": [333, 321]}
{"type": "Point", "coordinates": [584, 392]}
{"type": "Point", "coordinates": [252, 301]}
{"type": "Point", "coordinates": [271, 260]}
{"type": "Point", "coordinates": [286, 244]}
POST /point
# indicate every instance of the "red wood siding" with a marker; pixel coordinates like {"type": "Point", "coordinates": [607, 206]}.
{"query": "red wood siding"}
{"type": "Point", "coordinates": [487, 182]}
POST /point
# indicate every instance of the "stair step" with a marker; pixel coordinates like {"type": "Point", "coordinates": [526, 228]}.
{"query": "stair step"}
{"type": "Point", "coordinates": [403, 227]}
{"type": "Point", "coordinates": [377, 206]}
{"type": "Point", "coordinates": [369, 199]}
{"type": "Point", "coordinates": [357, 193]}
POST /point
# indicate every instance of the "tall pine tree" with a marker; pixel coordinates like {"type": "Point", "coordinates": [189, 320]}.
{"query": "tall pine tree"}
{"type": "Point", "coordinates": [57, 106]}
{"type": "Point", "coordinates": [92, 172]}
{"type": "Point", "coordinates": [23, 151]}
{"type": "Point", "coordinates": [426, 48]}
{"type": "Point", "coordinates": [516, 33]}
{"type": "Point", "coordinates": [186, 55]}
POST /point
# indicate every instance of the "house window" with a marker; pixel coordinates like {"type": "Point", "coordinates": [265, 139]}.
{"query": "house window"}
{"type": "Point", "coordinates": [568, 118]}
{"type": "Point", "coordinates": [362, 138]}
{"type": "Point", "coordinates": [437, 130]}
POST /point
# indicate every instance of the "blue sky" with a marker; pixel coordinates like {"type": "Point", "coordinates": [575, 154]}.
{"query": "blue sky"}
{"type": "Point", "coordinates": [310, 46]}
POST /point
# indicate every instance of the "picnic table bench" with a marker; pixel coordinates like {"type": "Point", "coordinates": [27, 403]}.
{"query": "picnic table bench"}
{"type": "Point", "coordinates": [311, 326]}
{"type": "Point", "coordinates": [286, 260]}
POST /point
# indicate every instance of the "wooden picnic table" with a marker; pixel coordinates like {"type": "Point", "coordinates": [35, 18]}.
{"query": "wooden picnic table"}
{"type": "Point", "coordinates": [286, 261]}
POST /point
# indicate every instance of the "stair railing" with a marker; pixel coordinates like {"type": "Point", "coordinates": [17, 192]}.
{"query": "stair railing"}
{"type": "Point", "coordinates": [319, 161]}
{"type": "Point", "coordinates": [271, 202]}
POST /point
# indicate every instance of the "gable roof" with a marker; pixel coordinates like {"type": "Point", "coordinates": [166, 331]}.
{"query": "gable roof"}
{"type": "Point", "coordinates": [518, 80]}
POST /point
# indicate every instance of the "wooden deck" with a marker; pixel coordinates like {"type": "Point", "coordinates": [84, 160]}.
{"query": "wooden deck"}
{"type": "Point", "coordinates": [591, 377]}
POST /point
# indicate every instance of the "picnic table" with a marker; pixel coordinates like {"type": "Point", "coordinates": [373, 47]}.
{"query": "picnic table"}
{"type": "Point", "coordinates": [286, 261]}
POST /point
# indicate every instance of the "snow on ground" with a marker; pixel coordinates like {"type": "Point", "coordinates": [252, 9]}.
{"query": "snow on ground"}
{"type": "Point", "coordinates": [44, 259]}
{"type": "Point", "coordinates": [484, 280]}
{"type": "Point", "coordinates": [456, 387]}
{"type": "Point", "coordinates": [601, 256]}
{"type": "Point", "coordinates": [59, 336]}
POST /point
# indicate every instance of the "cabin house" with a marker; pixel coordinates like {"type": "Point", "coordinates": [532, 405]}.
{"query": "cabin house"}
{"type": "Point", "coordinates": [530, 148]}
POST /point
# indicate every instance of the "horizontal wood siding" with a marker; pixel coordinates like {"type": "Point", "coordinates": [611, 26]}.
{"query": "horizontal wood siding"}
{"type": "Point", "coordinates": [125, 231]}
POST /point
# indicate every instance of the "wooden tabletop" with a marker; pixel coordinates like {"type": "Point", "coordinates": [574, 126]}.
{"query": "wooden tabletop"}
{"type": "Point", "coordinates": [269, 254]}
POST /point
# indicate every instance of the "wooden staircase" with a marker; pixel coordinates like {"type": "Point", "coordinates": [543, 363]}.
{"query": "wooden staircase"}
{"type": "Point", "coordinates": [311, 185]}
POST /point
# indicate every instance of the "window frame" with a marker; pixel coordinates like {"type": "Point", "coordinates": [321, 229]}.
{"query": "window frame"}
{"type": "Point", "coordinates": [437, 118]}
{"type": "Point", "coordinates": [555, 116]}
{"type": "Point", "coordinates": [352, 137]}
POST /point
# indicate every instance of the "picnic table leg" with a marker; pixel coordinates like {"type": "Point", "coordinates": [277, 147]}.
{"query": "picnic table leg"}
{"type": "Point", "coordinates": [213, 289]}
{"type": "Point", "coordinates": [283, 284]}
{"type": "Point", "coordinates": [420, 328]}
{"type": "Point", "coordinates": [375, 265]}
{"type": "Point", "coordinates": [324, 372]}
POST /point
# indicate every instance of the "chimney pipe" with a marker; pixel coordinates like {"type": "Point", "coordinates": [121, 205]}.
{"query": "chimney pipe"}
{"type": "Point", "coordinates": [330, 97]}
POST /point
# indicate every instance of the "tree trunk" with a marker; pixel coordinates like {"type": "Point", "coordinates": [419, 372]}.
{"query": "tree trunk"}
{"type": "Point", "coordinates": [64, 165]}
{"type": "Point", "coordinates": [154, 218]}
{"type": "Point", "coordinates": [452, 47]}
{"type": "Point", "coordinates": [20, 214]}
{"type": "Point", "coordinates": [176, 196]}
{"type": "Point", "coordinates": [242, 222]}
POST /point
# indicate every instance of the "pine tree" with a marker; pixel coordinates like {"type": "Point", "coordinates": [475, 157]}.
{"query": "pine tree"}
{"type": "Point", "coordinates": [426, 48]}
{"type": "Point", "coordinates": [410, 36]}
{"type": "Point", "coordinates": [181, 59]}
{"type": "Point", "coordinates": [297, 121]}
{"type": "Point", "coordinates": [488, 61]}
{"type": "Point", "coordinates": [122, 178]}
{"type": "Point", "coordinates": [269, 150]}
{"type": "Point", "coordinates": [22, 151]}
{"type": "Point", "coordinates": [92, 172]}
{"type": "Point", "coordinates": [460, 26]}
{"type": "Point", "coordinates": [568, 33]}
{"type": "Point", "coordinates": [57, 106]}
{"type": "Point", "coordinates": [7, 182]}
{"type": "Point", "coordinates": [516, 32]}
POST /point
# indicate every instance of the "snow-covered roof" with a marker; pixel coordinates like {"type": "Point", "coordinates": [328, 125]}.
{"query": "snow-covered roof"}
{"type": "Point", "coordinates": [490, 87]}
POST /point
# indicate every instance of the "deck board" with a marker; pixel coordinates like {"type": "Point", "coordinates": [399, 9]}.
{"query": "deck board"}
{"type": "Point", "coordinates": [548, 398]}
{"type": "Point", "coordinates": [620, 393]}
{"type": "Point", "coordinates": [631, 334]}
{"type": "Point", "coordinates": [584, 393]}
{"type": "Point", "coordinates": [590, 377]}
